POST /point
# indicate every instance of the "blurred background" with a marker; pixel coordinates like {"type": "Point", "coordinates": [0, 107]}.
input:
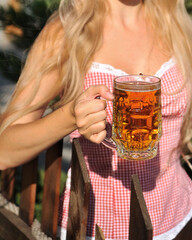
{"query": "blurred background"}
{"type": "Point", "coordinates": [20, 23]}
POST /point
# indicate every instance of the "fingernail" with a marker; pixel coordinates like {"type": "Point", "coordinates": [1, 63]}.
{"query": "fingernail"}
{"type": "Point", "coordinates": [110, 95]}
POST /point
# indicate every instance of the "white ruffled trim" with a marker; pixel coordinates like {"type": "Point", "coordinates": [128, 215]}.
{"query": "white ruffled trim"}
{"type": "Point", "coordinates": [106, 68]}
{"type": "Point", "coordinates": [164, 67]}
{"type": "Point", "coordinates": [109, 69]}
{"type": "Point", "coordinates": [171, 234]}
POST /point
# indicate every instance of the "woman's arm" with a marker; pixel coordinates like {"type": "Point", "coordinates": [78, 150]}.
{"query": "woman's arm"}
{"type": "Point", "coordinates": [30, 135]}
{"type": "Point", "coordinates": [22, 141]}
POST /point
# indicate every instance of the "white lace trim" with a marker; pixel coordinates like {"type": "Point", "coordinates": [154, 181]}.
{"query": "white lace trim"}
{"type": "Point", "coordinates": [171, 234]}
{"type": "Point", "coordinates": [164, 67]}
{"type": "Point", "coordinates": [107, 68]}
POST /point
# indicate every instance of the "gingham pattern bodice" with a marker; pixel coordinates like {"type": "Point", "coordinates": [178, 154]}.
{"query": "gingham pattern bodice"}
{"type": "Point", "coordinates": [166, 187]}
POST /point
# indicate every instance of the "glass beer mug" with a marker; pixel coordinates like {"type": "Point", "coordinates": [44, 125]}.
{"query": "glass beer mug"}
{"type": "Point", "coordinates": [137, 120]}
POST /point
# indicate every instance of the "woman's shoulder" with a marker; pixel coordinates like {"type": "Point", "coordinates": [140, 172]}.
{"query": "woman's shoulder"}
{"type": "Point", "coordinates": [51, 36]}
{"type": "Point", "coordinates": [53, 26]}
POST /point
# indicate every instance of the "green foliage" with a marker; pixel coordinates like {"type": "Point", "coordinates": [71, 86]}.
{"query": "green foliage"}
{"type": "Point", "coordinates": [10, 65]}
{"type": "Point", "coordinates": [188, 4]}
{"type": "Point", "coordinates": [30, 20]}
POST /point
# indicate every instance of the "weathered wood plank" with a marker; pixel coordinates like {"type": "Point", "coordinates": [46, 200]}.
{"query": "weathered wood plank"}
{"type": "Point", "coordinates": [98, 233]}
{"type": "Point", "coordinates": [12, 227]}
{"type": "Point", "coordinates": [28, 191]}
{"type": "Point", "coordinates": [140, 226]}
{"type": "Point", "coordinates": [7, 183]}
{"type": "Point", "coordinates": [51, 190]}
{"type": "Point", "coordinates": [79, 197]}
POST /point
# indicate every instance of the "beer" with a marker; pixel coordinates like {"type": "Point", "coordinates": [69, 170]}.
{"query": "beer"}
{"type": "Point", "coordinates": [136, 127]}
{"type": "Point", "coordinates": [136, 120]}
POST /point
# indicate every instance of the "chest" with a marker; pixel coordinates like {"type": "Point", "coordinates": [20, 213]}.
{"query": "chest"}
{"type": "Point", "coordinates": [133, 52]}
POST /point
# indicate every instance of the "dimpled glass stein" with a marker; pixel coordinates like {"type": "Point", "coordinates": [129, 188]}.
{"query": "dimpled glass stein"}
{"type": "Point", "coordinates": [136, 127]}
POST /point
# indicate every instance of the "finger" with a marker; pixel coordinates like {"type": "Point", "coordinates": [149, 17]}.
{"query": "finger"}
{"type": "Point", "coordinates": [84, 108]}
{"type": "Point", "coordinates": [99, 137]}
{"type": "Point", "coordinates": [86, 122]}
{"type": "Point", "coordinates": [97, 90]}
{"type": "Point", "coordinates": [93, 128]}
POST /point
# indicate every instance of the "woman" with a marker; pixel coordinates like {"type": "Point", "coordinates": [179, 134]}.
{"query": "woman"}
{"type": "Point", "coordinates": [89, 44]}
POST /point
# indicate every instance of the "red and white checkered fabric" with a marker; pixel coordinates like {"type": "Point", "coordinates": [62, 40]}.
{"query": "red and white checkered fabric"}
{"type": "Point", "coordinates": [166, 187]}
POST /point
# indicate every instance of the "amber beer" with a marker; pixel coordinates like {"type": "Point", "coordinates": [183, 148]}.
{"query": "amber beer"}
{"type": "Point", "coordinates": [136, 126]}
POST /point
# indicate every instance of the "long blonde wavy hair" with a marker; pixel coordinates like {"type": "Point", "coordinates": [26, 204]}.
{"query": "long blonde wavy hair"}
{"type": "Point", "coordinates": [76, 37]}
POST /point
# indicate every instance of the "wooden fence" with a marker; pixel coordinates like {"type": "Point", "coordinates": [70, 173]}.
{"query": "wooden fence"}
{"type": "Point", "coordinates": [20, 225]}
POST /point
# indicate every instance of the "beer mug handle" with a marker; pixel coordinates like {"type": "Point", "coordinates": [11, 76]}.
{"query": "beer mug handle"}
{"type": "Point", "coordinates": [108, 142]}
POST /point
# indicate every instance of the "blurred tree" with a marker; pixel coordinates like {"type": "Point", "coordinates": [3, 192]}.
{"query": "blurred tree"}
{"type": "Point", "coordinates": [188, 4]}
{"type": "Point", "coordinates": [21, 26]}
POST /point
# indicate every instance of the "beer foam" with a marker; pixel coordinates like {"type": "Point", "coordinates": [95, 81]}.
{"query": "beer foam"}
{"type": "Point", "coordinates": [137, 88]}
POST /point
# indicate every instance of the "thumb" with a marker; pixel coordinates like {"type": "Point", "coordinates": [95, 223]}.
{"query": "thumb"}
{"type": "Point", "coordinates": [98, 90]}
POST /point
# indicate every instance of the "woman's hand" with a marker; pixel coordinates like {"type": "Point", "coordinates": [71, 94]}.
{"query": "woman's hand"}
{"type": "Point", "coordinates": [90, 112]}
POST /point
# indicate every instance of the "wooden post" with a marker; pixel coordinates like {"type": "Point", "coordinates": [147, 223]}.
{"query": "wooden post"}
{"type": "Point", "coordinates": [51, 192]}
{"type": "Point", "coordinates": [7, 183]}
{"type": "Point", "coordinates": [12, 227]}
{"type": "Point", "coordinates": [140, 226]}
{"type": "Point", "coordinates": [28, 191]}
{"type": "Point", "coordinates": [79, 196]}
{"type": "Point", "coordinates": [98, 233]}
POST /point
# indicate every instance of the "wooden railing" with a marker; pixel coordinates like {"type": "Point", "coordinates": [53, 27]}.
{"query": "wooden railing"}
{"type": "Point", "coordinates": [21, 224]}
{"type": "Point", "coordinates": [14, 226]}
